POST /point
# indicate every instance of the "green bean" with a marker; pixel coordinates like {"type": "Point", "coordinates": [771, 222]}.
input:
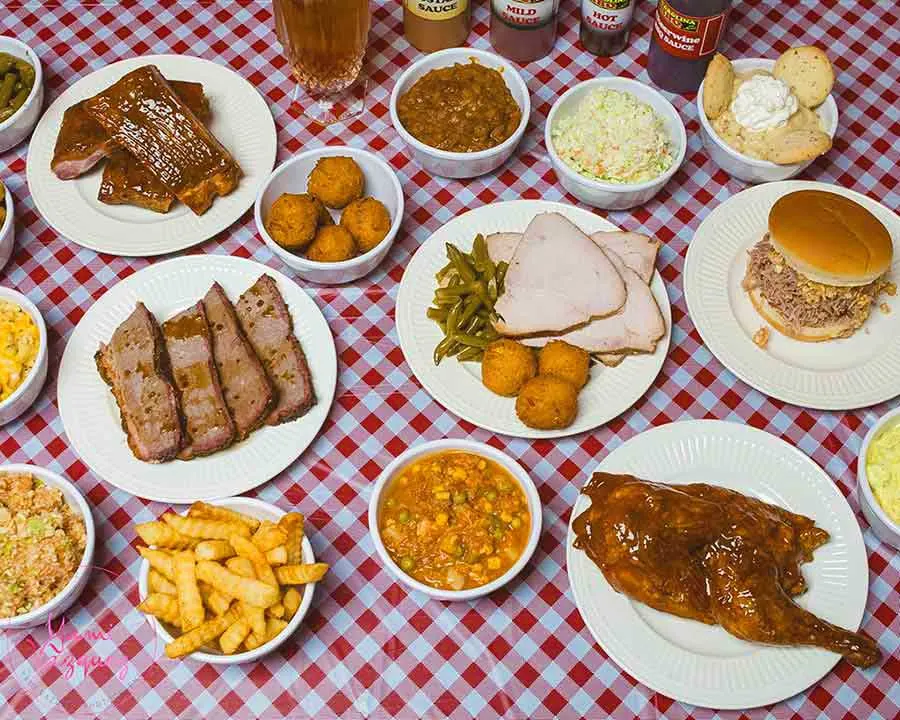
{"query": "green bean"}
{"type": "Point", "coordinates": [443, 349]}
{"type": "Point", "coordinates": [445, 301]}
{"type": "Point", "coordinates": [470, 307]}
{"type": "Point", "coordinates": [457, 290]}
{"type": "Point", "coordinates": [19, 99]}
{"type": "Point", "coordinates": [471, 340]}
{"type": "Point", "coordinates": [443, 272]}
{"type": "Point", "coordinates": [26, 73]}
{"type": "Point", "coordinates": [437, 314]}
{"type": "Point", "coordinates": [471, 354]}
{"type": "Point", "coordinates": [6, 63]}
{"type": "Point", "coordinates": [453, 318]}
{"type": "Point", "coordinates": [460, 263]}
{"type": "Point", "coordinates": [6, 88]}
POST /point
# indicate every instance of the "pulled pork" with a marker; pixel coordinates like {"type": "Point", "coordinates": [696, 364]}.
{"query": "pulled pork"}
{"type": "Point", "coordinates": [801, 301]}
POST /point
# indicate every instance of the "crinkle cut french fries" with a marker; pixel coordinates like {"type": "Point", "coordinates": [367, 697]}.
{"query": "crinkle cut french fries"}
{"type": "Point", "coordinates": [223, 578]}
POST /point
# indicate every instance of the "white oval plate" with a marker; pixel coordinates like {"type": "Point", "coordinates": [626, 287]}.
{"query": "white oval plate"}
{"type": "Point", "coordinates": [90, 415]}
{"type": "Point", "coordinates": [457, 386]}
{"type": "Point", "coordinates": [241, 121]}
{"type": "Point", "coordinates": [702, 664]}
{"type": "Point", "coordinates": [839, 374]}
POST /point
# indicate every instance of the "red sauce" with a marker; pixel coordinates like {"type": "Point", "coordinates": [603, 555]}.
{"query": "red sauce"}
{"type": "Point", "coordinates": [686, 34]}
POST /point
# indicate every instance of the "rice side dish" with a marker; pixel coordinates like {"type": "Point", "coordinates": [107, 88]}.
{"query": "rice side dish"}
{"type": "Point", "coordinates": [613, 137]}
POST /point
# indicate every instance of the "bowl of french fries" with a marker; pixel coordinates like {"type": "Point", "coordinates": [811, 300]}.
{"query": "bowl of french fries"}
{"type": "Point", "coordinates": [227, 582]}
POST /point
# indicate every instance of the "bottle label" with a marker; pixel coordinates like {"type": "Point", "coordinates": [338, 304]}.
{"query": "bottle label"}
{"type": "Point", "coordinates": [437, 9]}
{"type": "Point", "coordinates": [610, 16]}
{"type": "Point", "coordinates": [686, 36]}
{"type": "Point", "coordinates": [525, 13]}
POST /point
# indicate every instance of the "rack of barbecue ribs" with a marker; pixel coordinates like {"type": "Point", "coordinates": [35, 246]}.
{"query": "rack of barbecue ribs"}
{"type": "Point", "coordinates": [152, 135]}
{"type": "Point", "coordinates": [710, 554]}
{"type": "Point", "coordinates": [210, 376]}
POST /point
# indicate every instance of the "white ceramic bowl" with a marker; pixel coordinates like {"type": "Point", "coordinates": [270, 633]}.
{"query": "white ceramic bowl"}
{"type": "Point", "coordinates": [615, 196]}
{"type": "Point", "coordinates": [881, 524]}
{"type": "Point", "coordinates": [263, 511]}
{"type": "Point", "coordinates": [24, 396]}
{"type": "Point", "coordinates": [459, 164]}
{"type": "Point", "coordinates": [7, 230]}
{"type": "Point", "coordinates": [291, 176]}
{"type": "Point", "coordinates": [15, 129]}
{"type": "Point", "coordinates": [428, 448]}
{"type": "Point", "coordinates": [743, 167]}
{"type": "Point", "coordinates": [63, 601]}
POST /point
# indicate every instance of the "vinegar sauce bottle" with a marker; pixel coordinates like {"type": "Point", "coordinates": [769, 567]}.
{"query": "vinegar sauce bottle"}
{"type": "Point", "coordinates": [686, 34]}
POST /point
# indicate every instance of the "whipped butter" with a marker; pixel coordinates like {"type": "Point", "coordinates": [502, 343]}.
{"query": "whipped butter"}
{"type": "Point", "coordinates": [763, 102]}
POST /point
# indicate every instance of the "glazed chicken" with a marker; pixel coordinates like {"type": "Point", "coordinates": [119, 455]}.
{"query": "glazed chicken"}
{"type": "Point", "coordinates": [710, 554]}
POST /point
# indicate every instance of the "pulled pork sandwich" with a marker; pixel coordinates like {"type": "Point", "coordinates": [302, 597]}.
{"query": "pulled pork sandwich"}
{"type": "Point", "coordinates": [819, 269]}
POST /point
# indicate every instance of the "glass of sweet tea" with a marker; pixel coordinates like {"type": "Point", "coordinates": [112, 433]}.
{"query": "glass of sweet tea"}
{"type": "Point", "coordinates": [325, 44]}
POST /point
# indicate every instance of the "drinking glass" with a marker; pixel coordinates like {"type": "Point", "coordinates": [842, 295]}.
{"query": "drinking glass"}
{"type": "Point", "coordinates": [325, 42]}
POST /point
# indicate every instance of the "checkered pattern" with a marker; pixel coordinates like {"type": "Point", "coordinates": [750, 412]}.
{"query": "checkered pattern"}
{"type": "Point", "coordinates": [369, 648]}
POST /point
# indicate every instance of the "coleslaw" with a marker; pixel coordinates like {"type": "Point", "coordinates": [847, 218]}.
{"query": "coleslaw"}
{"type": "Point", "coordinates": [613, 137]}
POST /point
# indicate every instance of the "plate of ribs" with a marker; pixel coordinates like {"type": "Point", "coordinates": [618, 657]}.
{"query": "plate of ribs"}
{"type": "Point", "coordinates": [719, 565]}
{"type": "Point", "coordinates": [151, 155]}
{"type": "Point", "coordinates": [197, 378]}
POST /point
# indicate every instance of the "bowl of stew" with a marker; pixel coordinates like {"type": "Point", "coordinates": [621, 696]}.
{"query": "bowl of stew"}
{"type": "Point", "coordinates": [454, 519]}
{"type": "Point", "coordinates": [460, 111]}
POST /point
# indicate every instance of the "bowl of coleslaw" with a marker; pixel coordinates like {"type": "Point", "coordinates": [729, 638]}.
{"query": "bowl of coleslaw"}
{"type": "Point", "coordinates": [614, 142]}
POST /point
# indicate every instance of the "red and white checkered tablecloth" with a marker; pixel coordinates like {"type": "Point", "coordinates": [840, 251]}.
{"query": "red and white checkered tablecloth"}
{"type": "Point", "coordinates": [368, 647]}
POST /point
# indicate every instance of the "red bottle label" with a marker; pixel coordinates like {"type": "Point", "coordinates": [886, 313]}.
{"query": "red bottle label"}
{"type": "Point", "coordinates": [685, 36]}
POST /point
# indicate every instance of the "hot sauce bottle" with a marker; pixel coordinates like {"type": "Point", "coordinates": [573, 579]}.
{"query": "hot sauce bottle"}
{"type": "Point", "coordinates": [605, 25]}
{"type": "Point", "coordinates": [686, 34]}
{"type": "Point", "coordinates": [432, 25]}
{"type": "Point", "coordinates": [523, 30]}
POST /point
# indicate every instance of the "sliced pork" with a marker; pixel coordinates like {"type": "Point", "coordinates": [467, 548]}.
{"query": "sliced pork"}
{"type": "Point", "coordinates": [248, 393]}
{"type": "Point", "coordinates": [636, 329]}
{"type": "Point", "coordinates": [635, 250]}
{"type": "Point", "coordinates": [266, 320]}
{"type": "Point", "coordinates": [558, 279]}
{"type": "Point", "coordinates": [134, 366]}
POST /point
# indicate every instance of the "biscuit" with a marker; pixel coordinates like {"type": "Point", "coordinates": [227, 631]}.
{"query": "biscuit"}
{"type": "Point", "coordinates": [717, 86]}
{"type": "Point", "coordinates": [799, 146]}
{"type": "Point", "coordinates": [808, 72]}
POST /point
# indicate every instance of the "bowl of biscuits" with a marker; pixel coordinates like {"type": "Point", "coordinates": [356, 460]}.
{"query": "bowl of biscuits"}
{"type": "Point", "coordinates": [766, 120]}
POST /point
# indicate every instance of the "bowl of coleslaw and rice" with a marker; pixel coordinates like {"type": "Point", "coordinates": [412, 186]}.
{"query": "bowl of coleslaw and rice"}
{"type": "Point", "coordinates": [614, 142]}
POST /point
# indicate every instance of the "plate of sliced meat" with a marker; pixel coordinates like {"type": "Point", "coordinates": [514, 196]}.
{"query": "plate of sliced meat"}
{"type": "Point", "coordinates": [569, 275]}
{"type": "Point", "coordinates": [196, 379]}
{"type": "Point", "coordinates": [151, 155]}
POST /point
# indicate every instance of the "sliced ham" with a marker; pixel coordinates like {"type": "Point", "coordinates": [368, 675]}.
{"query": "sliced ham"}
{"type": "Point", "coordinates": [558, 278]}
{"type": "Point", "coordinates": [636, 329]}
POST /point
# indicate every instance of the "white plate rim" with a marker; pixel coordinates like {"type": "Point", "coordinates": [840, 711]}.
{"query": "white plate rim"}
{"type": "Point", "coordinates": [131, 475]}
{"type": "Point", "coordinates": [94, 231]}
{"type": "Point", "coordinates": [816, 662]}
{"type": "Point", "coordinates": [642, 369]}
{"type": "Point", "coordinates": [864, 385]}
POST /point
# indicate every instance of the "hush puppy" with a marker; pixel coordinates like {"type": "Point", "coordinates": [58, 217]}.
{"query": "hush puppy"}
{"type": "Point", "coordinates": [292, 221]}
{"type": "Point", "coordinates": [324, 215]}
{"type": "Point", "coordinates": [336, 181]}
{"type": "Point", "coordinates": [507, 366]}
{"type": "Point", "coordinates": [332, 244]}
{"type": "Point", "coordinates": [565, 361]}
{"type": "Point", "coordinates": [547, 403]}
{"type": "Point", "coordinates": [368, 221]}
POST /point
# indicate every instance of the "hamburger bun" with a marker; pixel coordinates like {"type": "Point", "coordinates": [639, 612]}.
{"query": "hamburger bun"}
{"type": "Point", "coordinates": [830, 238]}
{"type": "Point", "coordinates": [844, 328]}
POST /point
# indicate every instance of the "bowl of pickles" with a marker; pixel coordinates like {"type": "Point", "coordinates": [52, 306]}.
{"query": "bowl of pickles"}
{"type": "Point", "coordinates": [21, 91]}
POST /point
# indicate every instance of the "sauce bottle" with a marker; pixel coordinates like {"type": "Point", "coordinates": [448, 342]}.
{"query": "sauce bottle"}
{"type": "Point", "coordinates": [431, 25]}
{"type": "Point", "coordinates": [686, 34]}
{"type": "Point", "coordinates": [523, 30]}
{"type": "Point", "coordinates": [605, 25]}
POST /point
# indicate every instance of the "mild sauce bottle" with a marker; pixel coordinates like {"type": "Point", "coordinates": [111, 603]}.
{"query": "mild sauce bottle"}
{"type": "Point", "coordinates": [686, 34]}
{"type": "Point", "coordinates": [605, 25]}
{"type": "Point", "coordinates": [523, 30]}
{"type": "Point", "coordinates": [432, 25]}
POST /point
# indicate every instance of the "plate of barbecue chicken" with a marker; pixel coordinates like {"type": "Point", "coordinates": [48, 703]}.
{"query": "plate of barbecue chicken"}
{"type": "Point", "coordinates": [534, 319]}
{"type": "Point", "coordinates": [793, 287]}
{"type": "Point", "coordinates": [151, 155]}
{"type": "Point", "coordinates": [719, 565]}
{"type": "Point", "coordinates": [197, 378]}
